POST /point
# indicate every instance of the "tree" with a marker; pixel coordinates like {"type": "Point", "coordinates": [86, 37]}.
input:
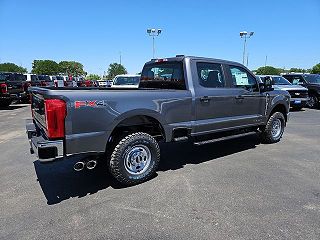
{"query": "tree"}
{"type": "Point", "coordinates": [316, 69]}
{"type": "Point", "coordinates": [268, 70]}
{"type": "Point", "coordinates": [71, 68]}
{"type": "Point", "coordinates": [11, 67]}
{"type": "Point", "coordinates": [116, 69]}
{"type": "Point", "coordinates": [47, 67]}
{"type": "Point", "coordinates": [298, 70]}
{"type": "Point", "coordinates": [93, 77]}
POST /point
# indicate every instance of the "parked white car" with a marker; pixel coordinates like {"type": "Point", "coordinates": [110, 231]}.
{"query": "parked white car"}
{"type": "Point", "coordinates": [126, 81]}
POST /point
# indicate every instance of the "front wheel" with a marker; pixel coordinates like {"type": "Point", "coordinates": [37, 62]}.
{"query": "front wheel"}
{"type": "Point", "coordinates": [274, 128]}
{"type": "Point", "coordinates": [313, 101]}
{"type": "Point", "coordinates": [135, 158]}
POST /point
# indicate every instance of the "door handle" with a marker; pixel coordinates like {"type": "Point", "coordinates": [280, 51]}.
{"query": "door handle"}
{"type": "Point", "coordinates": [205, 99]}
{"type": "Point", "coordinates": [240, 97]}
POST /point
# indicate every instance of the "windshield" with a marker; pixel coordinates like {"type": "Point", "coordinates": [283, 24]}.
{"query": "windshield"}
{"type": "Point", "coordinates": [59, 78]}
{"type": "Point", "coordinates": [312, 78]}
{"type": "Point", "coordinates": [44, 78]}
{"type": "Point", "coordinates": [280, 81]}
{"type": "Point", "coordinates": [126, 81]}
{"type": "Point", "coordinates": [4, 76]}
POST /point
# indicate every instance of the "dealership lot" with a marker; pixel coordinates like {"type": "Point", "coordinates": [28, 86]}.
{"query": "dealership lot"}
{"type": "Point", "coordinates": [237, 189]}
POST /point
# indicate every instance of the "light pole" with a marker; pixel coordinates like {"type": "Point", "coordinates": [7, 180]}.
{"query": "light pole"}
{"type": "Point", "coordinates": [245, 35]}
{"type": "Point", "coordinates": [153, 33]}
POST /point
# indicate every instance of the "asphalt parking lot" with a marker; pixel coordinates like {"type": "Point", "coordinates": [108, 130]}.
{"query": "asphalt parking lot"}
{"type": "Point", "coordinates": [237, 189]}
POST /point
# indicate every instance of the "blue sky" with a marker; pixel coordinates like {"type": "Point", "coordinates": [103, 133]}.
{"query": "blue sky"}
{"type": "Point", "coordinates": [94, 32]}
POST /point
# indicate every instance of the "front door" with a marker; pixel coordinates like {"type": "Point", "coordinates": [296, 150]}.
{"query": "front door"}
{"type": "Point", "coordinates": [249, 104]}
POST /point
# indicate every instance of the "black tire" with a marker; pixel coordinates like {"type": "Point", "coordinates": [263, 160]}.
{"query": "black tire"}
{"type": "Point", "coordinates": [267, 133]}
{"type": "Point", "coordinates": [313, 102]}
{"type": "Point", "coordinates": [133, 145]}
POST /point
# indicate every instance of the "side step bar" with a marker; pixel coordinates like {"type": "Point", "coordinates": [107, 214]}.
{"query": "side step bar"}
{"type": "Point", "coordinates": [224, 138]}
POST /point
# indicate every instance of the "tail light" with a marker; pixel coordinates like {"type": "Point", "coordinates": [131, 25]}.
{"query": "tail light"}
{"type": "Point", "coordinates": [55, 110]}
{"type": "Point", "coordinates": [43, 83]}
{"type": "Point", "coordinates": [4, 88]}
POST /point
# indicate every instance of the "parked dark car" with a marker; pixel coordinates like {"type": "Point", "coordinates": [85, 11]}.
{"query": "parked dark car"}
{"type": "Point", "coordinates": [46, 81]}
{"type": "Point", "coordinates": [179, 99]}
{"type": "Point", "coordinates": [13, 87]}
{"type": "Point", "coordinates": [299, 94]}
{"type": "Point", "coordinates": [310, 81]}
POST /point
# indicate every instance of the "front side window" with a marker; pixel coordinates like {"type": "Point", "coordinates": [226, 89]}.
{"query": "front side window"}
{"type": "Point", "coordinates": [242, 79]}
{"type": "Point", "coordinates": [210, 75]}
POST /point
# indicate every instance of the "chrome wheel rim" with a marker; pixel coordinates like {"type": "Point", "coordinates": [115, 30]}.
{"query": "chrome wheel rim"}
{"type": "Point", "coordinates": [276, 128]}
{"type": "Point", "coordinates": [137, 159]}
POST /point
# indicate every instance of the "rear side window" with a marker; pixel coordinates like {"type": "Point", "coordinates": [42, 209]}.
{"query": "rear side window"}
{"type": "Point", "coordinates": [210, 75]}
{"type": "Point", "coordinates": [164, 75]}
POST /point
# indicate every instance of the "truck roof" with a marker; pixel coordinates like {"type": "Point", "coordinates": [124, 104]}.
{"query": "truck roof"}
{"type": "Point", "coordinates": [182, 57]}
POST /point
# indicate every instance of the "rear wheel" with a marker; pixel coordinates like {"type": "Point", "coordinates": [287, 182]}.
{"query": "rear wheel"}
{"type": "Point", "coordinates": [274, 128]}
{"type": "Point", "coordinates": [135, 158]}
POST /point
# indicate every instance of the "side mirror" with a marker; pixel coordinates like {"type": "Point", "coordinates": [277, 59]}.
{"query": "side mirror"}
{"type": "Point", "coordinates": [266, 85]}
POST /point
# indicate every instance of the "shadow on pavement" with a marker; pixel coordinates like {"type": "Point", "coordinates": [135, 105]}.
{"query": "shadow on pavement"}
{"type": "Point", "coordinates": [59, 181]}
{"type": "Point", "coordinates": [13, 107]}
{"type": "Point", "coordinates": [176, 155]}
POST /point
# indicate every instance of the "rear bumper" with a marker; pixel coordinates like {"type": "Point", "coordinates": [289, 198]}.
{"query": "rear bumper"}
{"type": "Point", "coordinates": [45, 150]}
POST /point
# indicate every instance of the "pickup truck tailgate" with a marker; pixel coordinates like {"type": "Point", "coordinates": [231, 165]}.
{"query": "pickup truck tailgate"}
{"type": "Point", "coordinates": [38, 110]}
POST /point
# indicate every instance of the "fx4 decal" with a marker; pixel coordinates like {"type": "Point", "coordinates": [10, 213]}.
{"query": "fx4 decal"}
{"type": "Point", "coordinates": [91, 103]}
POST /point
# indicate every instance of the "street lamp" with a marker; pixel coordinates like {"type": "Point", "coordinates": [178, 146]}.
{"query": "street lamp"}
{"type": "Point", "coordinates": [153, 33]}
{"type": "Point", "coordinates": [245, 35]}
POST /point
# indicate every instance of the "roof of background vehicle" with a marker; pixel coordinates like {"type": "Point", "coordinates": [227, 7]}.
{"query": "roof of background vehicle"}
{"type": "Point", "coordinates": [128, 75]}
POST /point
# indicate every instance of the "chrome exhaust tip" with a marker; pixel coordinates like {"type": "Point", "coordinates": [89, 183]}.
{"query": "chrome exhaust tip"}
{"type": "Point", "coordinates": [79, 166]}
{"type": "Point", "coordinates": [91, 164]}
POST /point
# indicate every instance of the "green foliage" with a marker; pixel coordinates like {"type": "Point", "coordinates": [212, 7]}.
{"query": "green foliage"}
{"type": "Point", "coordinates": [71, 68]}
{"type": "Point", "coordinates": [116, 69]}
{"type": "Point", "coordinates": [298, 70]}
{"type": "Point", "coordinates": [11, 67]}
{"type": "Point", "coordinates": [268, 70]}
{"type": "Point", "coordinates": [316, 69]}
{"type": "Point", "coordinates": [93, 77]}
{"type": "Point", "coordinates": [47, 67]}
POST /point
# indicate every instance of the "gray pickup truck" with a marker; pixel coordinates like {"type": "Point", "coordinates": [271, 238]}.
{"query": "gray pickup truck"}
{"type": "Point", "coordinates": [181, 98]}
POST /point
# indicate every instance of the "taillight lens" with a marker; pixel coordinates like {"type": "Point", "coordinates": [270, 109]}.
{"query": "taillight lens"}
{"type": "Point", "coordinates": [4, 88]}
{"type": "Point", "coordinates": [56, 112]}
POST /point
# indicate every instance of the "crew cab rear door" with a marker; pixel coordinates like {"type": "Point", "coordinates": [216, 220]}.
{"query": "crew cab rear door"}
{"type": "Point", "coordinates": [214, 97]}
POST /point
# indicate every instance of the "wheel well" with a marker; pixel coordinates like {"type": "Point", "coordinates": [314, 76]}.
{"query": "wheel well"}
{"type": "Point", "coordinates": [139, 123]}
{"type": "Point", "coordinates": [313, 92]}
{"type": "Point", "coordinates": [280, 108]}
